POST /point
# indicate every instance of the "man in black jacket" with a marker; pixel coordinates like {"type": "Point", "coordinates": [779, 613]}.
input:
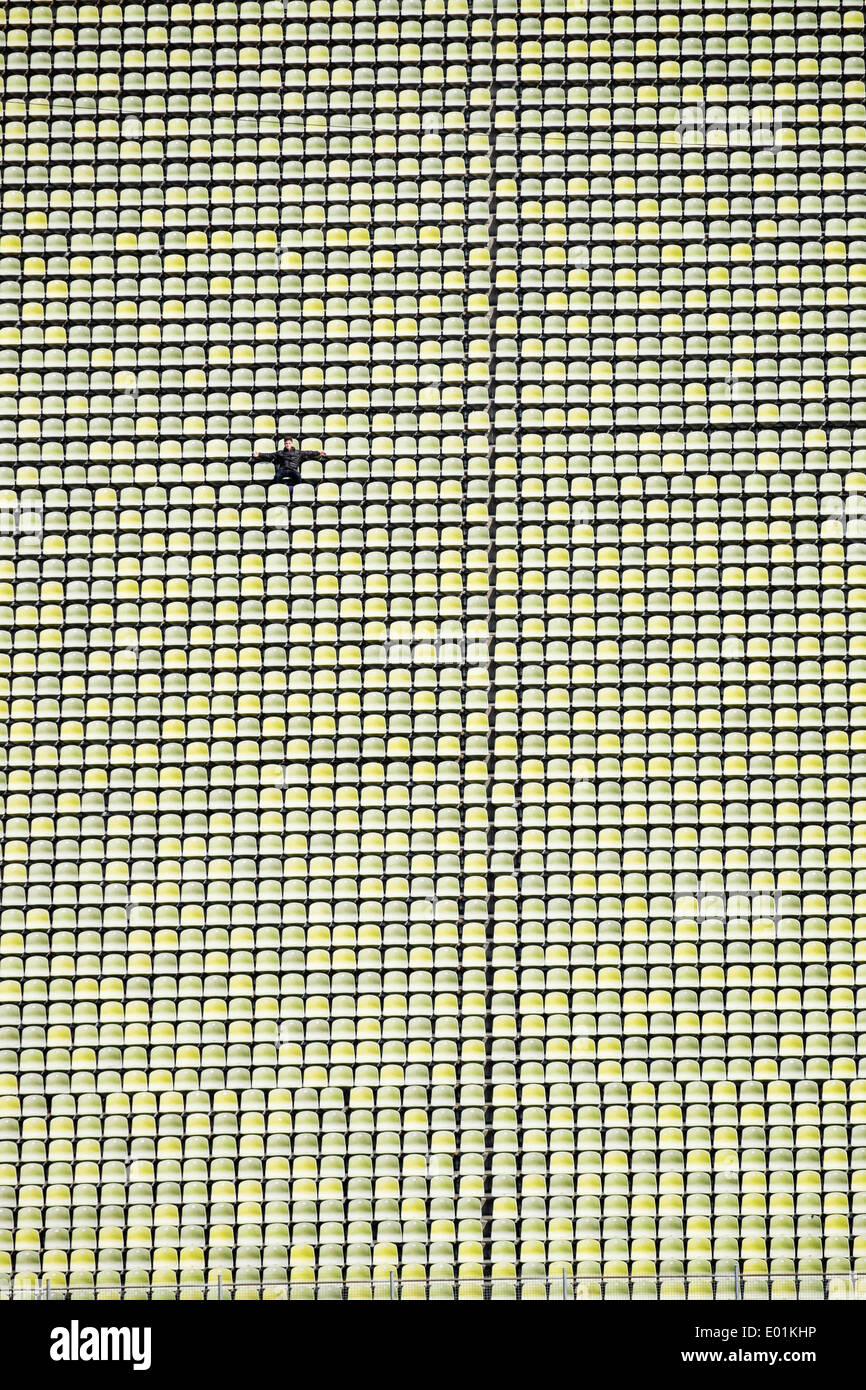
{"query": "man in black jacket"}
{"type": "Point", "coordinates": [287, 460]}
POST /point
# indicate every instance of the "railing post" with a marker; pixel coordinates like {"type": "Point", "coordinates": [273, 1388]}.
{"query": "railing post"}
{"type": "Point", "coordinates": [737, 1294]}
{"type": "Point", "coordinates": [219, 1288]}
{"type": "Point", "coordinates": [564, 1293]}
{"type": "Point", "coordinates": [391, 1284]}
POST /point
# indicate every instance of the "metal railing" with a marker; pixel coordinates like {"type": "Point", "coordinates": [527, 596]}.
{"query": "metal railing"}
{"type": "Point", "coordinates": [553, 1288]}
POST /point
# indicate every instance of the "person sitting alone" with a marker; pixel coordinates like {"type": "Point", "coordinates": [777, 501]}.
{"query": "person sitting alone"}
{"type": "Point", "coordinates": [287, 461]}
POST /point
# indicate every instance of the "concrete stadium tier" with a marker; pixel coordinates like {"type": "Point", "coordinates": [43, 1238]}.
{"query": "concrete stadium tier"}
{"type": "Point", "coordinates": [442, 874]}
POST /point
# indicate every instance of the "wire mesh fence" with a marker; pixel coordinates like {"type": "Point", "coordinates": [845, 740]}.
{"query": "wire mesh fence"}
{"type": "Point", "coordinates": [554, 1288]}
